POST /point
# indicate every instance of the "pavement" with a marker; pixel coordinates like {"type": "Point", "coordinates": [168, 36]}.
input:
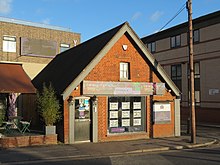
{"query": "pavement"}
{"type": "Point", "coordinates": [102, 149]}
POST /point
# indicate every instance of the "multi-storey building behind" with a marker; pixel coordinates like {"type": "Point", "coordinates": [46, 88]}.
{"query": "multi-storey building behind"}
{"type": "Point", "coordinates": [33, 45]}
{"type": "Point", "coordinates": [170, 48]}
{"type": "Point", "coordinates": [25, 49]}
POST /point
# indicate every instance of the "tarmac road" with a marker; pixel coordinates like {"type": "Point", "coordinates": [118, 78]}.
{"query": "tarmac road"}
{"type": "Point", "coordinates": [127, 152]}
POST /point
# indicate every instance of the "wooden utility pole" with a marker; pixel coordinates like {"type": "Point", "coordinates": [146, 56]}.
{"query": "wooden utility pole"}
{"type": "Point", "coordinates": [191, 64]}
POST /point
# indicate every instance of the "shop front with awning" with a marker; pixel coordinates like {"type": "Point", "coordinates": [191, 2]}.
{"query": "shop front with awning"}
{"type": "Point", "coordinates": [13, 83]}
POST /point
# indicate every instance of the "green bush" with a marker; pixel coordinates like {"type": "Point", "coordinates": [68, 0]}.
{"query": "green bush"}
{"type": "Point", "coordinates": [2, 113]}
{"type": "Point", "coordinates": [48, 105]}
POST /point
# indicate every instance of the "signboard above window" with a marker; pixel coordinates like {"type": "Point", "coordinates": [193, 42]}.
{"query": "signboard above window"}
{"type": "Point", "coordinates": [122, 88]}
{"type": "Point", "coordinates": [37, 47]}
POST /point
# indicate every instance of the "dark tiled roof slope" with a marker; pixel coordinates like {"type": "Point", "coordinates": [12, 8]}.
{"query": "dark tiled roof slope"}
{"type": "Point", "coordinates": [66, 66]}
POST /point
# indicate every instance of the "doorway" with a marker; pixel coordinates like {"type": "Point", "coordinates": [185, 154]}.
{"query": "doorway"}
{"type": "Point", "coordinates": [82, 123]}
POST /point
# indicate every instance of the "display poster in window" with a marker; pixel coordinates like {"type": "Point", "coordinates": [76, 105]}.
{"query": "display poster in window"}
{"type": "Point", "coordinates": [113, 123]}
{"type": "Point", "coordinates": [125, 105]}
{"type": "Point", "coordinates": [125, 122]}
{"type": "Point", "coordinates": [137, 113]}
{"type": "Point", "coordinates": [136, 105]}
{"type": "Point", "coordinates": [136, 122]}
{"type": "Point", "coordinates": [125, 114]}
{"type": "Point", "coordinates": [161, 112]}
{"type": "Point", "coordinates": [113, 106]}
{"type": "Point", "coordinates": [86, 103]}
{"type": "Point", "coordinates": [113, 114]}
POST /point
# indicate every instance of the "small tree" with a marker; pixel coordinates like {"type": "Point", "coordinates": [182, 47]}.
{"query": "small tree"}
{"type": "Point", "coordinates": [48, 105]}
{"type": "Point", "coordinates": [2, 112]}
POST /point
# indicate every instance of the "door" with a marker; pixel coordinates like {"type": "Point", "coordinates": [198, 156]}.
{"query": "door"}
{"type": "Point", "coordinates": [82, 128]}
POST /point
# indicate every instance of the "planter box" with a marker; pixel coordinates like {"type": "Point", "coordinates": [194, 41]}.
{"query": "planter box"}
{"type": "Point", "coordinates": [23, 141]}
{"type": "Point", "coordinates": [50, 130]}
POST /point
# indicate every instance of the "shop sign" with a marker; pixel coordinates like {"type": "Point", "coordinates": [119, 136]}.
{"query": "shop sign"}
{"type": "Point", "coordinates": [122, 88]}
{"type": "Point", "coordinates": [161, 112]}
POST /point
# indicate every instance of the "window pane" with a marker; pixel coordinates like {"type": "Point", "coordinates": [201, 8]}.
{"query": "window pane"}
{"type": "Point", "coordinates": [195, 35]}
{"type": "Point", "coordinates": [173, 71]}
{"type": "Point", "coordinates": [196, 65]}
{"type": "Point", "coordinates": [124, 70]}
{"type": "Point", "coordinates": [153, 47]}
{"type": "Point", "coordinates": [149, 46]}
{"type": "Point", "coordinates": [179, 70]}
{"type": "Point", "coordinates": [172, 42]}
{"type": "Point", "coordinates": [178, 40]}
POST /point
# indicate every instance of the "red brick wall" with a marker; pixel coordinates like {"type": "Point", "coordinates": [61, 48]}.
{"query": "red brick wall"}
{"type": "Point", "coordinates": [108, 70]}
{"type": "Point", "coordinates": [23, 141]}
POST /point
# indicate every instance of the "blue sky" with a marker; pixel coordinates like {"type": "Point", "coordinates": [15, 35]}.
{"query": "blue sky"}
{"type": "Point", "coordinates": [92, 17]}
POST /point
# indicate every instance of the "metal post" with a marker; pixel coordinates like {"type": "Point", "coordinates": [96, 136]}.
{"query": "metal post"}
{"type": "Point", "coordinates": [191, 63]}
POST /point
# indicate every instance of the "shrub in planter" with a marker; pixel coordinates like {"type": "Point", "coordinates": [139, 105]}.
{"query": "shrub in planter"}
{"type": "Point", "coordinates": [2, 112]}
{"type": "Point", "coordinates": [48, 105]}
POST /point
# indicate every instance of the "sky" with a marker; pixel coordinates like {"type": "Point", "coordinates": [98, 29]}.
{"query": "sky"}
{"type": "Point", "coordinates": [93, 17]}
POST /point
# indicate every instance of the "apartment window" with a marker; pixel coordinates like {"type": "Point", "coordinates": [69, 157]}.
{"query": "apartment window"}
{"type": "Point", "coordinates": [176, 75]}
{"type": "Point", "coordinates": [124, 71]}
{"type": "Point", "coordinates": [64, 47]}
{"type": "Point", "coordinates": [152, 47]}
{"type": "Point", "coordinates": [9, 44]}
{"type": "Point", "coordinates": [196, 36]}
{"type": "Point", "coordinates": [175, 41]}
{"type": "Point", "coordinates": [196, 82]}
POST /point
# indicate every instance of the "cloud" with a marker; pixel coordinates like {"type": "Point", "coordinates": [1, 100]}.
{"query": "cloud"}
{"type": "Point", "coordinates": [46, 21]}
{"type": "Point", "coordinates": [156, 16]}
{"type": "Point", "coordinates": [5, 6]}
{"type": "Point", "coordinates": [136, 16]}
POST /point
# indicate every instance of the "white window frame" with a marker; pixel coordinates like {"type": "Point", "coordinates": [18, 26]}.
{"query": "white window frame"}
{"type": "Point", "coordinates": [124, 71]}
{"type": "Point", "coordinates": [9, 44]}
{"type": "Point", "coordinates": [64, 47]}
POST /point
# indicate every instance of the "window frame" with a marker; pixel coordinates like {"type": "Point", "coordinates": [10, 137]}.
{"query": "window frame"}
{"type": "Point", "coordinates": [177, 77]}
{"type": "Point", "coordinates": [124, 71]}
{"type": "Point", "coordinates": [64, 47]}
{"type": "Point", "coordinates": [197, 31]}
{"type": "Point", "coordinates": [152, 46]}
{"type": "Point", "coordinates": [175, 41]}
{"type": "Point", "coordinates": [9, 44]}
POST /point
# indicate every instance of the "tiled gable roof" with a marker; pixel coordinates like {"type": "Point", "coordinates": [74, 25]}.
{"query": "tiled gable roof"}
{"type": "Point", "coordinates": [66, 66]}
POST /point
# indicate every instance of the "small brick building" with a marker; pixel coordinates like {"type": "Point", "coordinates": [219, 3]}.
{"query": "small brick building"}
{"type": "Point", "coordinates": [112, 88]}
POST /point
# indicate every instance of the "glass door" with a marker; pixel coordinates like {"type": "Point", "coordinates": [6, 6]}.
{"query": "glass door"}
{"type": "Point", "coordinates": [82, 129]}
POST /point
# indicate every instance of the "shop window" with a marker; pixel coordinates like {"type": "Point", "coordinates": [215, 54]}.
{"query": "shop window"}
{"type": "Point", "coordinates": [125, 114]}
{"type": "Point", "coordinates": [9, 44]}
{"type": "Point", "coordinates": [175, 41]}
{"type": "Point", "coordinates": [176, 75]}
{"type": "Point", "coordinates": [152, 47]}
{"type": "Point", "coordinates": [64, 47]}
{"type": "Point", "coordinates": [196, 36]}
{"type": "Point", "coordinates": [124, 71]}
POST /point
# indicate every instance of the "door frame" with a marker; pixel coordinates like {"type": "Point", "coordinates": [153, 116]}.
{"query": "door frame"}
{"type": "Point", "coordinates": [93, 119]}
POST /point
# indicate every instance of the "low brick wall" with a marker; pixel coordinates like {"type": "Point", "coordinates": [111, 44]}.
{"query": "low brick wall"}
{"type": "Point", "coordinates": [24, 141]}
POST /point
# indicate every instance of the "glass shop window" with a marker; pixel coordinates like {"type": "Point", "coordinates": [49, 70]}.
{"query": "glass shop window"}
{"type": "Point", "coordinates": [126, 114]}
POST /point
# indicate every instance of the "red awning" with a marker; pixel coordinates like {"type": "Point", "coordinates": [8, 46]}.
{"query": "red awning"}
{"type": "Point", "coordinates": [13, 79]}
